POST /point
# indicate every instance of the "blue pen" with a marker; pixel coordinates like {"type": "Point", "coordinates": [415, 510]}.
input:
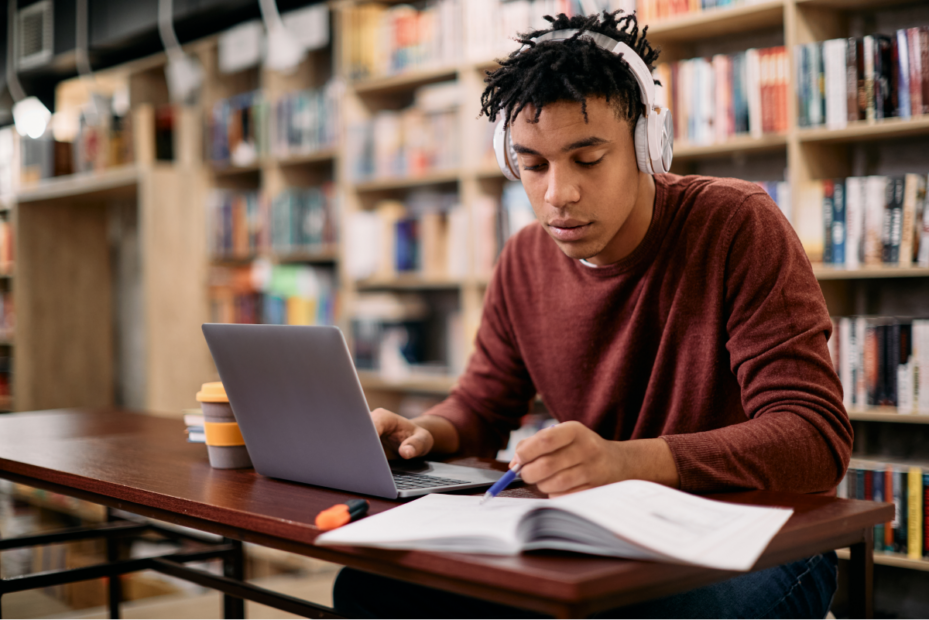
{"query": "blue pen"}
{"type": "Point", "coordinates": [502, 483]}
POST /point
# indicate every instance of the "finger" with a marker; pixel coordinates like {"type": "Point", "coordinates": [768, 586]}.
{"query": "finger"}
{"type": "Point", "coordinates": [583, 487]}
{"type": "Point", "coordinates": [551, 464]}
{"type": "Point", "coordinates": [545, 441]}
{"type": "Point", "coordinates": [383, 420]}
{"type": "Point", "coordinates": [419, 443]}
{"type": "Point", "coordinates": [566, 480]}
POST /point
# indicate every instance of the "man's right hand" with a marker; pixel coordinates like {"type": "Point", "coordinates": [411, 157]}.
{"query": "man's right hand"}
{"type": "Point", "coordinates": [401, 436]}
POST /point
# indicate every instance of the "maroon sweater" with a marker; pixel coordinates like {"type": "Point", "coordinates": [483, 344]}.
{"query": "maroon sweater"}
{"type": "Point", "coordinates": [711, 334]}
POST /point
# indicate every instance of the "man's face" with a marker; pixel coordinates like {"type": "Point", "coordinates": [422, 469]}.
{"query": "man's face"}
{"type": "Point", "coordinates": [582, 178]}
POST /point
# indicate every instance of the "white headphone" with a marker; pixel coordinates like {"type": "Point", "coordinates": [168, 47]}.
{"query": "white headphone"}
{"type": "Point", "coordinates": [654, 132]}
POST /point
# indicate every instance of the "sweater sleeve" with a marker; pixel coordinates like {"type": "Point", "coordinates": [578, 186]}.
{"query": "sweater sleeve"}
{"type": "Point", "coordinates": [495, 390]}
{"type": "Point", "coordinates": [798, 436]}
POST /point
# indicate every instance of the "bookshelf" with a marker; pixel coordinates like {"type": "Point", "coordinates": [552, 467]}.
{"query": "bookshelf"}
{"type": "Point", "coordinates": [884, 558]}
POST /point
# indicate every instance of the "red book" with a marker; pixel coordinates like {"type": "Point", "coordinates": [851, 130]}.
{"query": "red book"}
{"type": "Point", "coordinates": [764, 61]}
{"type": "Point", "coordinates": [868, 485]}
{"type": "Point", "coordinates": [924, 65]}
{"type": "Point", "coordinates": [916, 89]}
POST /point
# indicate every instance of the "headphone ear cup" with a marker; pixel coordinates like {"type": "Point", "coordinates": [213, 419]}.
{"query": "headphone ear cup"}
{"type": "Point", "coordinates": [641, 145]}
{"type": "Point", "coordinates": [503, 151]}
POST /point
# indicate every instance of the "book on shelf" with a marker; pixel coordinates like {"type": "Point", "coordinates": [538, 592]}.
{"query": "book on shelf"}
{"type": "Point", "coordinates": [869, 78]}
{"type": "Point", "coordinates": [6, 247]}
{"type": "Point", "coordinates": [865, 221]}
{"type": "Point", "coordinates": [273, 294]}
{"type": "Point", "coordinates": [882, 362]}
{"type": "Point", "coordinates": [714, 99]}
{"type": "Point", "coordinates": [904, 484]}
{"type": "Point", "coordinates": [421, 138]}
{"type": "Point", "coordinates": [630, 519]}
{"type": "Point", "coordinates": [426, 236]}
{"type": "Point", "coordinates": [7, 315]}
{"type": "Point", "coordinates": [653, 11]}
{"type": "Point", "coordinates": [238, 129]}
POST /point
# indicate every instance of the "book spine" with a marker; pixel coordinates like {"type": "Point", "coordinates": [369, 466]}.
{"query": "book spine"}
{"type": "Point", "coordinates": [867, 53]}
{"type": "Point", "coordinates": [854, 221]}
{"type": "Point", "coordinates": [915, 501]}
{"type": "Point", "coordinates": [902, 67]}
{"type": "Point", "coordinates": [908, 237]}
{"type": "Point", "coordinates": [853, 78]}
{"type": "Point", "coordinates": [801, 60]}
{"type": "Point", "coordinates": [877, 495]}
{"type": "Point", "coordinates": [924, 510]}
{"type": "Point", "coordinates": [896, 219]}
{"type": "Point", "coordinates": [892, 496]}
{"type": "Point", "coordinates": [905, 370]}
{"type": "Point", "coordinates": [876, 189]}
{"type": "Point", "coordinates": [915, 79]}
{"type": "Point", "coordinates": [921, 226]}
{"type": "Point", "coordinates": [846, 343]}
{"type": "Point", "coordinates": [827, 211]}
{"type": "Point", "coordinates": [838, 222]}
{"type": "Point", "coordinates": [871, 363]}
{"type": "Point", "coordinates": [924, 65]}
{"type": "Point", "coordinates": [902, 512]}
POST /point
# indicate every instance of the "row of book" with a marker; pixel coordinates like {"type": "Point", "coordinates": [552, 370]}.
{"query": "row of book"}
{"type": "Point", "coordinates": [247, 127]}
{"type": "Point", "coordinates": [650, 11]}
{"type": "Point", "coordinates": [384, 39]}
{"type": "Point", "coordinates": [6, 247]}
{"type": "Point", "coordinates": [273, 294]}
{"type": "Point", "coordinates": [713, 99]}
{"type": "Point", "coordinates": [874, 220]}
{"type": "Point", "coordinates": [882, 362]}
{"type": "Point", "coordinates": [907, 487]}
{"type": "Point", "coordinates": [419, 139]}
{"type": "Point", "coordinates": [243, 224]}
{"type": "Point", "coordinates": [779, 191]}
{"type": "Point", "coordinates": [867, 78]}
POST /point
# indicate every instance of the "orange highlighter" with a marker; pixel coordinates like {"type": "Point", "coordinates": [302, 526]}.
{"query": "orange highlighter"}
{"type": "Point", "coordinates": [340, 514]}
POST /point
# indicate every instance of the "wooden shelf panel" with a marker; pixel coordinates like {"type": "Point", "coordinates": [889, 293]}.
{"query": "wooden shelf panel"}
{"type": "Point", "coordinates": [854, 5]}
{"type": "Point", "coordinates": [409, 282]}
{"type": "Point", "coordinates": [323, 255]}
{"type": "Point", "coordinates": [116, 182]}
{"type": "Point", "coordinates": [736, 144]}
{"type": "Point", "coordinates": [890, 559]}
{"type": "Point", "coordinates": [324, 156]}
{"type": "Point", "coordinates": [440, 385]}
{"type": "Point", "coordinates": [430, 178]}
{"type": "Point", "coordinates": [717, 22]}
{"type": "Point", "coordinates": [230, 170]}
{"type": "Point", "coordinates": [824, 272]}
{"type": "Point", "coordinates": [404, 81]}
{"type": "Point", "coordinates": [887, 414]}
{"type": "Point", "coordinates": [858, 131]}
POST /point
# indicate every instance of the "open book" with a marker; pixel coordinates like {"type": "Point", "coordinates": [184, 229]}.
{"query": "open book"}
{"type": "Point", "coordinates": [630, 519]}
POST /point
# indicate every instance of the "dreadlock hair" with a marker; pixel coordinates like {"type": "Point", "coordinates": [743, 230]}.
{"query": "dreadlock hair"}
{"type": "Point", "coordinates": [573, 69]}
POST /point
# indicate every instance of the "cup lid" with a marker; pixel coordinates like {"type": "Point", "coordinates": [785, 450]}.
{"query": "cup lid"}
{"type": "Point", "coordinates": [213, 392]}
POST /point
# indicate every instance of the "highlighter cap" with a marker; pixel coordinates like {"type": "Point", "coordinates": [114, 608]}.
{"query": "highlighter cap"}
{"type": "Point", "coordinates": [213, 392]}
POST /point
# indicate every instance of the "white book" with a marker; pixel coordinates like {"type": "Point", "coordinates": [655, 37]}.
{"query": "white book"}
{"type": "Point", "coordinates": [631, 519]}
{"type": "Point", "coordinates": [753, 90]}
{"type": "Point", "coordinates": [861, 386]}
{"type": "Point", "coordinates": [922, 223]}
{"type": "Point", "coordinates": [836, 100]}
{"type": "Point", "coordinates": [854, 221]}
{"type": "Point", "coordinates": [875, 200]}
{"type": "Point", "coordinates": [921, 357]}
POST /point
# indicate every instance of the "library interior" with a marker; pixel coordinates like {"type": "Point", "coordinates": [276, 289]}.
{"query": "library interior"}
{"type": "Point", "coordinates": [165, 164]}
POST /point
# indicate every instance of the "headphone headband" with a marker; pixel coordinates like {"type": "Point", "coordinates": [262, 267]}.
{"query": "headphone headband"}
{"type": "Point", "coordinates": [638, 67]}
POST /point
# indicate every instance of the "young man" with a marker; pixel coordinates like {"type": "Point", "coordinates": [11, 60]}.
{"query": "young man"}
{"type": "Point", "coordinates": [672, 325]}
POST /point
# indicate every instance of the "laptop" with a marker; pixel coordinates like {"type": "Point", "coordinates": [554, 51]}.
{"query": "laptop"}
{"type": "Point", "coordinates": [304, 417]}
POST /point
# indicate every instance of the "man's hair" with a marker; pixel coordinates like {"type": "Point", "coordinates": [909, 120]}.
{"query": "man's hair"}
{"type": "Point", "coordinates": [573, 69]}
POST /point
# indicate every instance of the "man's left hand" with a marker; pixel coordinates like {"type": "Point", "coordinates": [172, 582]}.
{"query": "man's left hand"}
{"type": "Point", "coordinates": [570, 457]}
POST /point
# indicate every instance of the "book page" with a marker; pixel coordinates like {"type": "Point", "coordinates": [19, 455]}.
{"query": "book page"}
{"type": "Point", "coordinates": [440, 523]}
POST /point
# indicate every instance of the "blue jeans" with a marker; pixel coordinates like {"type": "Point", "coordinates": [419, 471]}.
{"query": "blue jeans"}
{"type": "Point", "coordinates": [801, 589]}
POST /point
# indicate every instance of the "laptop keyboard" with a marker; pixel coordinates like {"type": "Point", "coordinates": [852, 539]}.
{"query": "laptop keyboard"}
{"type": "Point", "coordinates": [405, 481]}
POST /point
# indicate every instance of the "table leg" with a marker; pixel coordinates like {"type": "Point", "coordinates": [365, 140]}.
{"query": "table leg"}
{"type": "Point", "coordinates": [115, 586]}
{"type": "Point", "coordinates": [861, 577]}
{"type": "Point", "coordinates": [234, 568]}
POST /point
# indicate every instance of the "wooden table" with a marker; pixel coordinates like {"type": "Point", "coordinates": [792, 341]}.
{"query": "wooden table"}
{"type": "Point", "coordinates": [142, 464]}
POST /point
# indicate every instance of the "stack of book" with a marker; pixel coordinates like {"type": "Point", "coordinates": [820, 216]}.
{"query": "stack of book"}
{"type": "Point", "coordinates": [193, 420]}
{"type": "Point", "coordinates": [875, 220]}
{"type": "Point", "coordinates": [869, 78]}
{"type": "Point", "coordinates": [882, 362]}
{"type": "Point", "coordinates": [654, 10]}
{"type": "Point", "coordinates": [419, 139]}
{"type": "Point", "coordinates": [107, 143]}
{"type": "Point", "coordinates": [780, 193]}
{"type": "Point", "coordinates": [713, 99]}
{"type": "Point", "coordinates": [273, 294]}
{"type": "Point", "coordinates": [907, 486]}
{"type": "Point", "coordinates": [243, 225]}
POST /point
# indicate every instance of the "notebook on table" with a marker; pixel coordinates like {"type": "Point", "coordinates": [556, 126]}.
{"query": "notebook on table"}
{"type": "Point", "coordinates": [301, 409]}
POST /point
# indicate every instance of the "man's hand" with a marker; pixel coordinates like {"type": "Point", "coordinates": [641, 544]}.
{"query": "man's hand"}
{"type": "Point", "coordinates": [414, 438]}
{"type": "Point", "coordinates": [570, 457]}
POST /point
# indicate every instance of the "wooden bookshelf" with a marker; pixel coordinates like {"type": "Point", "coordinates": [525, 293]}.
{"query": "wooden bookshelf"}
{"type": "Point", "coordinates": [712, 23]}
{"type": "Point", "coordinates": [326, 156]}
{"type": "Point", "coordinates": [404, 81]}
{"type": "Point", "coordinates": [425, 384]}
{"type": "Point", "coordinates": [826, 272]}
{"type": "Point", "coordinates": [861, 131]}
{"type": "Point", "coordinates": [440, 177]}
{"type": "Point", "coordinates": [887, 414]}
{"type": "Point", "coordinates": [230, 170]}
{"type": "Point", "coordinates": [107, 184]}
{"type": "Point", "coordinates": [885, 558]}
{"type": "Point", "coordinates": [409, 282]}
{"type": "Point", "coordinates": [734, 146]}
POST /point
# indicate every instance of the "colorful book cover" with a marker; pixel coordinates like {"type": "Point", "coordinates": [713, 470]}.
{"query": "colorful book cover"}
{"type": "Point", "coordinates": [902, 66]}
{"type": "Point", "coordinates": [900, 498]}
{"type": "Point", "coordinates": [892, 496]}
{"type": "Point", "coordinates": [915, 503]}
{"type": "Point", "coordinates": [854, 79]}
{"type": "Point", "coordinates": [838, 222]}
{"type": "Point", "coordinates": [827, 211]}
{"type": "Point", "coordinates": [877, 495]}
